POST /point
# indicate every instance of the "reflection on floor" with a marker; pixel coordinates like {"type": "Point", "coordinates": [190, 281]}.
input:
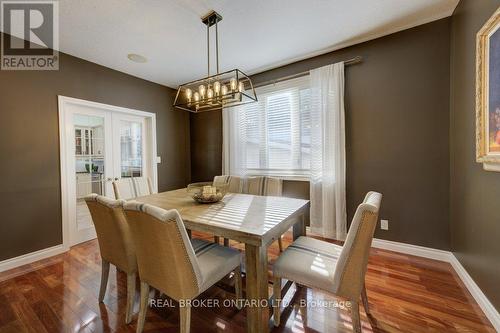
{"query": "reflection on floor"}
{"type": "Point", "coordinates": [407, 294]}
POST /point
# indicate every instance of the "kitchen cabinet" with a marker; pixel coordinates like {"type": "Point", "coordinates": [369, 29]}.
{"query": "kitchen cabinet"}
{"type": "Point", "coordinates": [87, 183]}
{"type": "Point", "coordinates": [89, 141]}
{"type": "Point", "coordinates": [83, 184]}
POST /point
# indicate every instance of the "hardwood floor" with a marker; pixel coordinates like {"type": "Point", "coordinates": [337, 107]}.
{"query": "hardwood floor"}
{"type": "Point", "coordinates": [406, 294]}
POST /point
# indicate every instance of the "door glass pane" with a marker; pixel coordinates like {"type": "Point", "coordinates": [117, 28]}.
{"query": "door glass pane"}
{"type": "Point", "coordinates": [89, 163]}
{"type": "Point", "coordinates": [131, 148]}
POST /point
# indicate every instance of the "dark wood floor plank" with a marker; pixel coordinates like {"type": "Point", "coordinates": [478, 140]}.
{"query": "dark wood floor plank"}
{"type": "Point", "coordinates": [406, 294]}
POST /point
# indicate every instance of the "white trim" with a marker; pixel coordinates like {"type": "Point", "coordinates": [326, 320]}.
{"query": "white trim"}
{"type": "Point", "coordinates": [476, 292]}
{"type": "Point", "coordinates": [415, 250]}
{"type": "Point", "coordinates": [29, 258]}
{"type": "Point", "coordinates": [64, 135]}
{"type": "Point", "coordinates": [489, 310]}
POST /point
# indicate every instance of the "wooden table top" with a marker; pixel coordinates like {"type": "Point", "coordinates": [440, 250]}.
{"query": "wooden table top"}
{"type": "Point", "coordinates": [251, 219]}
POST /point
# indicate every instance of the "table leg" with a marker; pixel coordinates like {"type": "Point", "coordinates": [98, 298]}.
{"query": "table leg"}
{"type": "Point", "coordinates": [257, 289]}
{"type": "Point", "coordinates": [299, 228]}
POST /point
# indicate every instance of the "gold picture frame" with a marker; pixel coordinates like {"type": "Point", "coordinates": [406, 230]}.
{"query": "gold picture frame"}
{"type": "Point", "coordinates": [488, 94]}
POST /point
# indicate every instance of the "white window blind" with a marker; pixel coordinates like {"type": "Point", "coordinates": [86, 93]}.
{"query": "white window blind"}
{"type": "Point", "coordinates": [273, 135]}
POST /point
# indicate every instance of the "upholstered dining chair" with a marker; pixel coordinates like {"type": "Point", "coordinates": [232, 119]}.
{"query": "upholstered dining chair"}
{"type": "Point", "coordinates": [333, 268]}
{"type": "Point", "coordinates": [235, 185]}
{"type": "Point", "coordinates": [115, 244]}
{"type": "Point", "coordinates": [143, 186]}
{"type": "Point", "coordinates": [124, 189]}
{"type": "Point", "coordinates": [169, 262]}
{"type": "Point", "coordinates": [269, 186]}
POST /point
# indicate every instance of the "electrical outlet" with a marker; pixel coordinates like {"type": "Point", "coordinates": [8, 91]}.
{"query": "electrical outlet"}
{"type": "Point", "coordinates": [384, 224]}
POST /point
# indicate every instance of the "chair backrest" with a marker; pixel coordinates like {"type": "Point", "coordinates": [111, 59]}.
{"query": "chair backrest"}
{"type": "Point", "coordinates": [142, 186]}
{"type": "Point", "coordinates": [273, 186]}
{"type": "Point", "coordinates": [349, 275]}
{"type": "Point", "coordinates": [264, 186]}
{"type": "Point", "coordinates": [235, 183]}
{"type": "Point", "coordinates": [165, 256]}
{"type": "Point", "coordinates": [113, 233]}
{"type": "Point", "coordinates": [255, 185]}
{"type": "Point", "coordinates": [124, 189]}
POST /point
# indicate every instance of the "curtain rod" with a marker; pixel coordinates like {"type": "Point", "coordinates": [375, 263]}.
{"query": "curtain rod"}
{"type": "Point", "coordinates": [352, 61]}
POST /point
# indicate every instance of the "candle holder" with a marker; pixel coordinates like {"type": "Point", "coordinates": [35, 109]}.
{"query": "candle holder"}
{"type": "Point", "coordinates": [206, 192]}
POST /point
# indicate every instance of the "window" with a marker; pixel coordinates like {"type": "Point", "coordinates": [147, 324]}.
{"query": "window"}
{"type": "Point", "coordinates": [273, 135]}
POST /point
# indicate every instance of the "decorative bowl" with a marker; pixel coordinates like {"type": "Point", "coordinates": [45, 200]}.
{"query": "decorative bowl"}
{"type": "Point", "coordinates": [207, 192]}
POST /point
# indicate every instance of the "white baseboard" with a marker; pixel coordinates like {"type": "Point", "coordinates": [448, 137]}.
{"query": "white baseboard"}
{"type": "Point", "coordinates": [447, 256]}
{"type": "Point", "coordinates": [31, 257]}
{"type": "Point", "coordinates": [419, 251]}
{"type": "Point", "coordinates": [481, 299]}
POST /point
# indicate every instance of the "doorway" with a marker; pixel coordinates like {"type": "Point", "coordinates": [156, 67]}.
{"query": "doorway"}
{"type": "Point", "coordinates": [99, 144]}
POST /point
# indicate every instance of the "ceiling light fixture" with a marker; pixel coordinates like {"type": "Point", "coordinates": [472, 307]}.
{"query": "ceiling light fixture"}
{"type": "Point", "coordinates": [218, 91]}
{"type": "Point", "coordinates": [136, 58]}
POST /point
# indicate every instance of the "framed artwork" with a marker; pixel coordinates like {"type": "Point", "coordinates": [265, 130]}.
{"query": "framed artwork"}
{"type": "Point", "coordinates": [488, 94]}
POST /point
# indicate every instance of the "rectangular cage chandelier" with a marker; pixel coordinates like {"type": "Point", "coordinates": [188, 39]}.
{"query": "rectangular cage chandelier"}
{"type": "Point", "coordinates": [218, 91]}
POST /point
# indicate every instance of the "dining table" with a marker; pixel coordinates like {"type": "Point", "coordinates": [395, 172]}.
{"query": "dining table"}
{"type": "Point", "coordinates": [256, 221]}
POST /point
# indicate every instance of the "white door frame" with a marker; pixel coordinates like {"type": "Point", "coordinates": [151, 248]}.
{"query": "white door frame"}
{"type": "Point", "coordinates": [65, 134]}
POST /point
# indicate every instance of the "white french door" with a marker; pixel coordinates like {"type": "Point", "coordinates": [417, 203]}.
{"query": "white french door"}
{"type": "Point", "coordinates": [100, 144]}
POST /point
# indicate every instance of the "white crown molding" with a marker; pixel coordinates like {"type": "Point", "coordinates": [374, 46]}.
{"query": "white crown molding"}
{"type": "Point", "coordinates": [446, 256]}
{"type": "Point", "coordinates": [29, 258]}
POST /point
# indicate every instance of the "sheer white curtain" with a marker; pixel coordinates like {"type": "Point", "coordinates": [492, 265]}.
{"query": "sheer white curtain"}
{"type": "Point", "coordinates": [328, 203]}
{"type": "Point", "coordinates": [234, 140]}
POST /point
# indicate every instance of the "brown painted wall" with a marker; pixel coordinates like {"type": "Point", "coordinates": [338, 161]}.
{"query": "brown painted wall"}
{"type": "Point", "coordinates": [397, 123]}
{"type": "Point", "coordinates": [30, 196]}
{"type": "Point", "coordinates": [475, 193]}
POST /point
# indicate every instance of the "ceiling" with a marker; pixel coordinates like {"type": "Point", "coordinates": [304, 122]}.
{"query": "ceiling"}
{"type": "Point", "coordinates": [254, 35]}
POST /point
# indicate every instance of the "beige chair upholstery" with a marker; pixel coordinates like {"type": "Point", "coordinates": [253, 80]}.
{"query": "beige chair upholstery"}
{"type": "Point", "coordinates": [124, 189]}
{"type": "Point", "coordinates": [269, 186]}
{"type": "Point", "coordinates": [259, 185]}
{"type": "Point", "coordinates": [235, 183]}
{"type": "Point", "coordinates": [273, 186]}
{"type": "Point", "coordinates": [255, 185]}
{"type": "Point", "coordinates": [337, 269]}
{"type": "Point", "coordinates": [142, 186]}
{"type": "Point", "coordinates": [169, 262]}
{"type": "Point", "coordinates": [115, 244]}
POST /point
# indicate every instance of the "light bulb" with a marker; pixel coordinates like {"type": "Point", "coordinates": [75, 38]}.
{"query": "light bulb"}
{"type": "Point", "coordinates": [217, 88]}
{"type": "Point", "coordinates": [189, 94]}
{"type": "Point", "coordinates": [232, 84]}
{"type": "Point", "coordinates": [196, 96]}
{"type": "Point", "coordinates": [210, 93]}
{"type": "Point", "coordinates": [224, 89]}
{"type": "Point", "coordinates": [201, 89]}
{"type": "Point", "coordinates": [241, 86]}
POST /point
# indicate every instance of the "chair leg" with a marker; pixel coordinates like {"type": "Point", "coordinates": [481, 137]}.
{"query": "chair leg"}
{"type": "Point", "coordinates": [356, 323]}
{"type": "Point", "coordinates": [216, 239]}
{"type": "Point", "coordinates": [130, 297]}
{"type": "Point", "coordinates": [104, 279]}
{"type": "Point", "coordinates": [226, 242]}
{"type": "Point", "coordinates": [143, 306]}
{"type": "Point", "coordinates": [364, 298]}
{"type": "Point", "coordinates": [238, 287]}
{"type": "Point", "coordinates": [276, 300]}
{"type": "Point", "coordinates": [185, 314]}
{"type": "Point", "coordinates": [280, 243]}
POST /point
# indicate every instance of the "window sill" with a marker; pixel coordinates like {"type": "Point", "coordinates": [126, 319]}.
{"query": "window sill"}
{"type": "Point", "coordinates": [300, 178]}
